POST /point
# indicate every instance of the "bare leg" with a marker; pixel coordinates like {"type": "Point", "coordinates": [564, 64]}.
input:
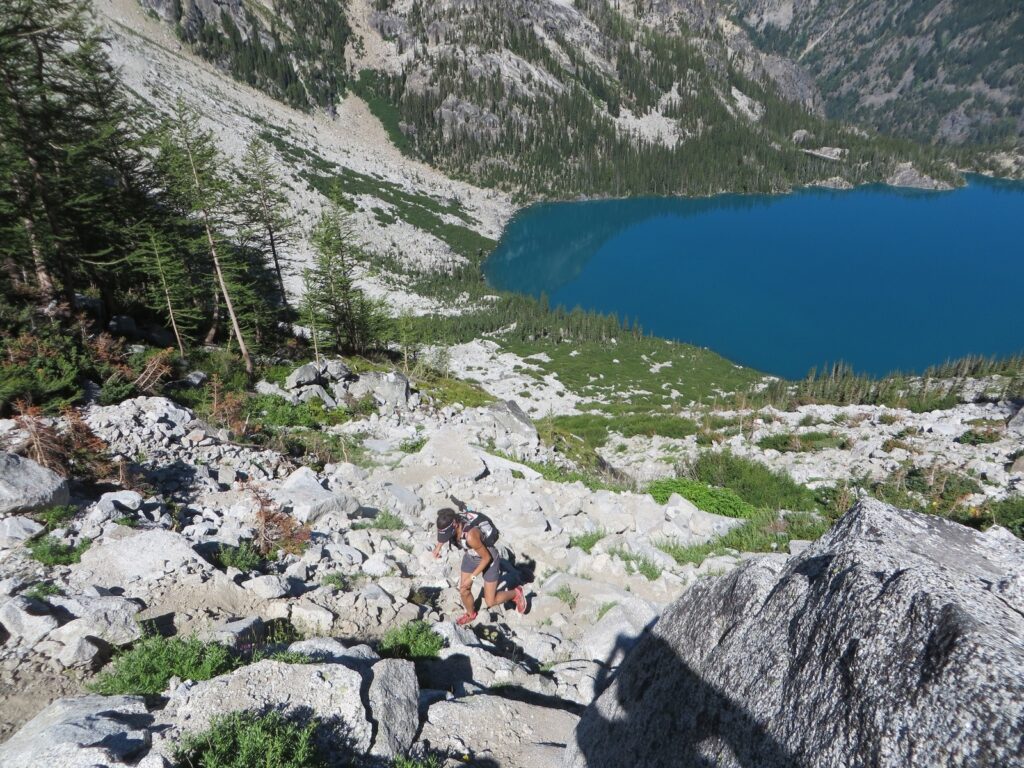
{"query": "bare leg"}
{"type": "Point", "coordinates": [466, 592]}
{"type": "Point", "coordinates": [493, 597]}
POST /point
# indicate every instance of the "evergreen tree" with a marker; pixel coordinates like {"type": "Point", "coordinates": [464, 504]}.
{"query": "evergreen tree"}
{"type": "Point", "coordinates": [338, 308]}
{"type": "Point", "coordinates": [169, 287]}
{"type": "Point", "coordinates": [68, 164]}
{"type": "Point", "coordinates": [265, 209]}
{"type": "Point", "coordinates": [192, 164]}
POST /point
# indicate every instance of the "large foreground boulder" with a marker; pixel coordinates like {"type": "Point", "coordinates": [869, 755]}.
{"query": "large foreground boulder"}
{"type": "Point", "coordinates": [896, 640]}
{"type": "Point", "coordinates": [81, 732]}
{"type": "Point", "coordinates": [501, 732]}
{"type": "Point", "coordinates": [327, 691]}
{"type": "Point", "coordinates": [26, 486]}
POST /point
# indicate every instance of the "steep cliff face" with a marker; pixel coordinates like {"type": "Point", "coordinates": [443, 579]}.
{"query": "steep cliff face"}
{"type": "Point", "coordinates": [894, 640]}
{"type": "Point", "coordinates": [929, 69]}
{"type": "Point", "coordinates": [293, 50]}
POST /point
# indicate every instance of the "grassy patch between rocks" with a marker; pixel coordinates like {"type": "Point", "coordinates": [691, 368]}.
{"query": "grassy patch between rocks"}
{"type": "Point", "coordinates": [42, 590]}
{"type": "Point", "coordinates": [567, 596]}
{"type": "Point", "coordinates": [753, 482]}
{"type": "Point", "coordinates": [447, 391]}
{"type": "Point", "coordinates": [147, 667]}
{"type": "Point", "coordinates": [766, 532]}
{"type": "Point", "coordinates": [792, 442]}
{"type": "Point", "coordinates": [717, 501]}
{"type": "Point", "coordinates": [252, 740]}
{"type": "Point", "coordinates": [586, 541]}
{"type": "Point", "coordinates": [638, 564]}
{"type": "Point", "coordinates": [383, 521]}
{"type": "Point", "coordinates": [245, 557]}
{"type": "Point", "coordinates": [55, 517]}
{"type": "Point", "coordinates": [52, 551]}
{"type": "Point", "coordinates": [414, 640]}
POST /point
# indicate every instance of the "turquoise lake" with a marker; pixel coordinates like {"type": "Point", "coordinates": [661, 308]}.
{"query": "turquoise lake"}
{"type": "Point", "coordinates": [880, 278]}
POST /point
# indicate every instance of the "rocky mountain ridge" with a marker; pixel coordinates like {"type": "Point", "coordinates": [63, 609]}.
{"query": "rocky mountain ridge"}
{"type": "Point", "coordinates": [935, 71]}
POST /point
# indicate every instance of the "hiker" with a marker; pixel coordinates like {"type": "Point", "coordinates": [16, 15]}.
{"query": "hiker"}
{"type": "Point", "coordinates": [476, 535]}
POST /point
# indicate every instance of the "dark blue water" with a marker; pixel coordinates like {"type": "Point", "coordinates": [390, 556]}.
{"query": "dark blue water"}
{"type": "Point", "coordinates": [879, 278]}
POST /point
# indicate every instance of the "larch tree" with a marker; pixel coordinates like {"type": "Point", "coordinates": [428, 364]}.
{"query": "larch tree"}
{"type": "Point", "coordinates": [338, 307]}
{"type": "Point", "coordinates": [68, 160]}
{"type": "Point", "coordinates": [264, 208]}
{"type": "Point", "coordinates": [193, 168]}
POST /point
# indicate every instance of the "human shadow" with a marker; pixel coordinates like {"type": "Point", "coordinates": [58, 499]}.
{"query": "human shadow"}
{"type": "Point", "coordinates": [659, 712]}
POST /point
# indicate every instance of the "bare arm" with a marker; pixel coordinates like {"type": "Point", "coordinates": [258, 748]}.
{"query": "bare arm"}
{"type": "Point", "coordinates": [437, 549]}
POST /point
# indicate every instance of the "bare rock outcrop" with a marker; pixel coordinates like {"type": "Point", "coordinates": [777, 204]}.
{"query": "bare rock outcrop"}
{"type": "Point", "coordinates": [894, 640]}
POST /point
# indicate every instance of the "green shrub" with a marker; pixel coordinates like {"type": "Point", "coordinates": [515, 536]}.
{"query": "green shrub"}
{"type": "Point", "coordinates": [251, 740]}
{"type": "Point", "coordinates": [51, 551]}
{"type": "Point", "coordinates": [414, 640]}
{"type": "Point", "coordinates": [337, 580]}
{"type": "Point", "coordinates": [979, 436]}
{"type": "Point", "coordinates": [55, 517]}
{"type": "Point", "coordinates": [605, 607]}
{"type": "Point", "coordinates": [384, 521]}
{"type": "Point", "coordinates": [1008, 513]}
{"type": "Point", "coordinates": [365, 406]}
{"type": "Point", "coordinates": [148, 666]}
{"type": "Point", "coordinates": [412, 445]}
{"type": "Point", "coordinates": [926, 489]}
{"type": "Point", "coordinates": [567, 596]}
{"type": "Point", "coordinates": [791, 442]}
{"type": "Point", "coordinates": [43, 367]}
{"type": "Point", "coordinates": [765, 532]}
{"type": "Point", "coordinates": [276, 412]}
{"type": "Point", "coordinates": [718, 501]}
{"type": "Point", "coordinates": [638, 564]}
{"type": "Point", "coordinates": [586, 541]}
{"type": "Point", "coordinates": [42, 590]}
{"type": "Point", "coordinates": [753, 482]}
{"type": "Point", "coordinates": [244, 557]}
{"type": "Point", "coordinates": [407, 762]}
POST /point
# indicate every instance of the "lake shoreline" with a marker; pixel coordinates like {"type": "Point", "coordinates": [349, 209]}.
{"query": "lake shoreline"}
{"type": "Point", "coordinates": [559, 261]}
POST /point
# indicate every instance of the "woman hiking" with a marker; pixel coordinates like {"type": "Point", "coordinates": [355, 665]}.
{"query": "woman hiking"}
{"type": "Point", "coordinates": [476, 535]}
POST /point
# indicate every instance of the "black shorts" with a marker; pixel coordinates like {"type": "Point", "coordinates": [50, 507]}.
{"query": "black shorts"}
{"type": "Point", "coordinates": [470, 561]}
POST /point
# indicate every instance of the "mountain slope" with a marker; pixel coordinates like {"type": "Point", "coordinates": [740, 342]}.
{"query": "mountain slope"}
{"type": "Point", "coordinates": [403, 211]}
{"type": "Point", "coordinates": [547, 97]}
{"type": "Point", "coordinates": [577, 98]}
{"type": "Point", "coordinates": [933, 70]}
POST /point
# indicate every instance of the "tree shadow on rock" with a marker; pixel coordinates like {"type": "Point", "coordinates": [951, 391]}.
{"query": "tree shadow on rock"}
{"type": "Point", "coordinates": [660, 713]}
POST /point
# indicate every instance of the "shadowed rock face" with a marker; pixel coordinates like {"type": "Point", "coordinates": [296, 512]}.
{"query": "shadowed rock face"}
{"type": "Point", "coordinates": [896, 640]}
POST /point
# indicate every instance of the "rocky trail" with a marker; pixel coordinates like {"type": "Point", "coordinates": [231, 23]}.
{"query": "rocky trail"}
{"type": "Point", "coordinates": [509, 689]}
